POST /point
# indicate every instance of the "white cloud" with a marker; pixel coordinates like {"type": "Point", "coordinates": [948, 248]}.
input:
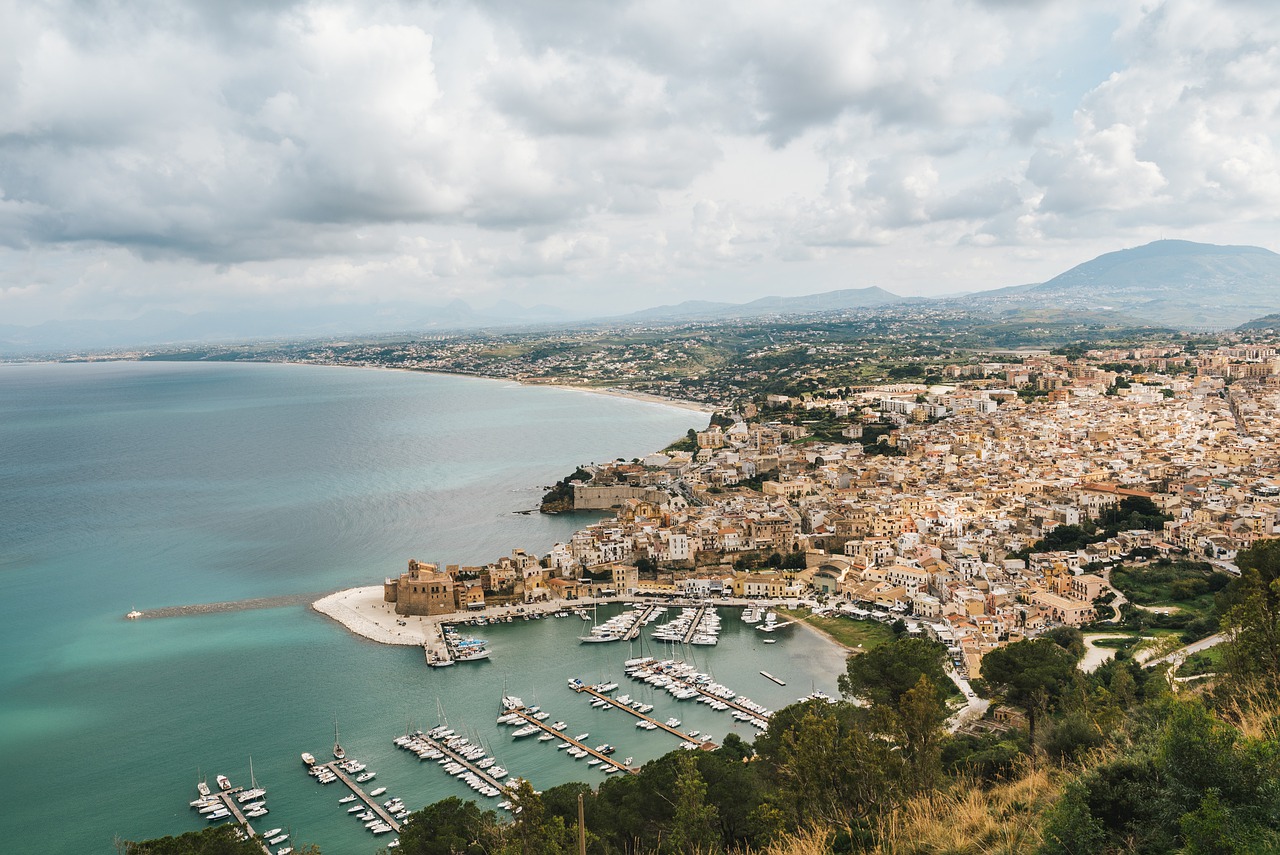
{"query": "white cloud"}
{"type": "Point", "coordinates": [158, 156]}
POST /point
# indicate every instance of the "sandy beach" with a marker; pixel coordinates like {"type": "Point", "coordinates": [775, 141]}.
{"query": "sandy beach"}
{"type": "Point", "coordinates": [364, 613]}
{"type": "Point", "coordinates": [628, 393]}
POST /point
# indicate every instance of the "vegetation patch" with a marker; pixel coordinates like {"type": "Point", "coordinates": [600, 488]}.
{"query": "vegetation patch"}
{"type": "Point", "coordinates": [854, 634]}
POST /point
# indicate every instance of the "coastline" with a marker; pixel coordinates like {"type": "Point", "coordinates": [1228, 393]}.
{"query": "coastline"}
{"type": "Point", "coordinates": [629, 394]}
{"type": "Point", "coordinates": [829, 637]}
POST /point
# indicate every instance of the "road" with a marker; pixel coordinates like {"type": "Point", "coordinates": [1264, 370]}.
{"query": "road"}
{"type": "Point", "coordinates": [974, 709]}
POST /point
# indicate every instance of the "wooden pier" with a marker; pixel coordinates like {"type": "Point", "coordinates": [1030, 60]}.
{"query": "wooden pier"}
{"type": "Point", "coordinates": [228, 799]}
{"type": "Point", "coordinates": [464, 762]}
{"type": "Point", "coordinates": [733, 705]}
{"type": "Point", "coordinates": [638, 624]}
{"type": "Point", "coordinates": [705, 744]}
{"type": "Point", "coordinates": [693, 624]}
{"type": "Point", "coordinates": [604, 758]}
{"type": "Point", "coordinates": [377, 809]}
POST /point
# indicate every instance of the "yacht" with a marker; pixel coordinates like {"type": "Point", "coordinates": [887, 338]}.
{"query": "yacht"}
{"type": "Point", "coordinates": [309, 759]}
{"type": "Point", "coordinates": [338, 753]}
{"type": "Point", "coordinates": [203, 789]}
{"type": "Point", "coordinates": [217, 815]}
{"type": "Point", "coordinates": [527, 730]}
{"type": "Point", "coordinates": [224, 783]}
{"type": "Point", "coordinates": [272, 833]}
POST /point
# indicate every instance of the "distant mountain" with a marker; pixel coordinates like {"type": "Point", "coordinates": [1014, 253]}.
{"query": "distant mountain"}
{"type": "Point", "coordinates": [1266, 322]}
{"type": "Point", "coordinates": [156, 329]}
{"type": "Point", "coordinates": [828, 301]}
{"type": "Point", "coordinates": [1172, 282]}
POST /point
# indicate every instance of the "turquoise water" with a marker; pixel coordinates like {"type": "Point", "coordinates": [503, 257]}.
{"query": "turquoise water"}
{"type": "Point", "coordinates": [147, 484]}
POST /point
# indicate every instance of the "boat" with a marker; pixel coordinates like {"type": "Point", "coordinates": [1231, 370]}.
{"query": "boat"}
{"type": "Point", "coordinates": [217, 815]}
{"type": "Point", "coordinates": [272, 833]}
{"type": "Point", "coordinates": [377, 792]}
{"type": "Point", "coordinates": [279, 838]}
{"type": "Point", "coordinates": [580, 737]}
{"type": "Point", "coordinates": [527, 730]}
{"type": "Point", "coordinates": [365, 776]}
{"type": "Point", "coordinates": [287, 850]}
{"type": "Point", "coordinates": [254, 814]}
{"type": "Point", "coordinates": [546, 737]}
{"type": "Point", "coordinates": [309, 759]}
{"type": "Point", "coordinates": [202, 788]}
{"type": "Point", "coordinates": [346, 800]}
{"type": "Point", "coordinates": [511, 702]}
{"type": "Point", "coordinates": [338, 753]}
{"type": "Point", "coordinates": [224, 783]}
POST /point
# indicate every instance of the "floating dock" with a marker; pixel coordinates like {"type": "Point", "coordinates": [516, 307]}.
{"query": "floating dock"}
{"type": "Point", "coordinates": [762, 714]}
{"type": "Point", "coordinates": [704, 744]}
{"type": "Point", "coordinates": [227, 798]}
{"type": "Point", "coordinates": [693, 624]}
{"type": "Point", "coordinates": [372, 803]}
{"type": "Point", "coordinates": [444, 749]}
{"type": "Point", "coordinates": [604, 758]}
{"type": "Point", "coordinates": [639, 623]}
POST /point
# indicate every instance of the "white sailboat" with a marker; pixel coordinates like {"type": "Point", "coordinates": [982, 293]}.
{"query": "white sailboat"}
{"type": "Point", "coordinates": [338, 753]}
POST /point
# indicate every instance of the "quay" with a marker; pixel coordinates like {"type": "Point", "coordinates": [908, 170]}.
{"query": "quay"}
{"type": "Point", "coordinates": [372, 803]}
{"type": "Point", "coordinates": [639, 623]}
{"type": "Point", "coordinates": [604, 758]}
{"type": "Point", "coordinates": [704, 744]}
{"type": "Point", "coordinates": [771, 677]}
{"type": "Point", "coordinates": [693, 624]}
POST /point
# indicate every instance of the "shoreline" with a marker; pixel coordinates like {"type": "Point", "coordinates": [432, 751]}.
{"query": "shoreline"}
{"type": "Point", "coordinates": [829, 637]}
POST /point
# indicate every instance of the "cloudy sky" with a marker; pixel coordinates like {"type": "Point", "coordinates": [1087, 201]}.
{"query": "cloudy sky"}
{"type": "Point", "coordinates": [611, 156]}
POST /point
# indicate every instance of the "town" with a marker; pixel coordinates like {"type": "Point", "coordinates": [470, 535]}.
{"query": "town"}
{"type": "Point", "coordinates": [978, 511]}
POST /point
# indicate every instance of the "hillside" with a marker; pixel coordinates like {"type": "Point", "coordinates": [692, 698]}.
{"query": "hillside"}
{"type": "Point", "coordinates": [1178, 283]}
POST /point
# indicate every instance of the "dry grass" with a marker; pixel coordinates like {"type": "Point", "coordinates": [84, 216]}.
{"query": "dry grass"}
{"type": "Point", "coordinates": [1002, 820]}
{"type": "Point", "coordinates": [1255, 713]}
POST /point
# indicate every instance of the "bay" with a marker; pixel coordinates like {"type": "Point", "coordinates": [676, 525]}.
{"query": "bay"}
{"type": "Point", "coordinates": [154, 484]}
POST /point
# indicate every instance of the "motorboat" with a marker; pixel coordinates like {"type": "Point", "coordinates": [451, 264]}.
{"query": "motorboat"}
{"type": "Point", "coordinates": [309, 759]}
{"type": "Point", "coordinates": [347, 799]}
{"type": "Point", "coordinates": [379, 791]}
{"type": "Point", "coordinates": [527, 730]}
{"type": "Point", "coordinates": [224, 783]}
{"type": "Point", "coordinates": [279, 838]}
{"type": "Point", "coordinates": [365, 776]}
{"type": "Point", "coordinates": [272, 833]}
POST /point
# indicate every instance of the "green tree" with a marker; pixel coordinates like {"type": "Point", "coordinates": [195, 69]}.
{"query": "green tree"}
{"type": "Point", "coordinates": [220, 840]}
{"type": "Point", "coordinates": [695, 822]}
{"type": "Point", "coordinates": [1032, 675]}
{"type": "Point", "coordinates": [1071, 828]}
{"type": "Point", "coordinates": [886, 673]}
{"type": "Point", "coordinates": [448, 827]}
{"type": "Point", "coordinates": [1252, 620]}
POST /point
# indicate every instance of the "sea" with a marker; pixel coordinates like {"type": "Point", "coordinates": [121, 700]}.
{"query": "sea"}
{"type": "Point", "coordinates": [144, 485]}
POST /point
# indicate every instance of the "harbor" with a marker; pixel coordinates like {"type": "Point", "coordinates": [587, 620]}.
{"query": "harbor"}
{"type": "Point", "coordinates": [231, 803]}
{"type": "Point", "coordinates": [684, 682]}
{"type": "Point", "coordinates": [527, 660]}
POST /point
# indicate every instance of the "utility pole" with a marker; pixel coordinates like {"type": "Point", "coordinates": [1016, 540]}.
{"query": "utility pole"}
{"type": "Point", "coordinates": [582, 829]}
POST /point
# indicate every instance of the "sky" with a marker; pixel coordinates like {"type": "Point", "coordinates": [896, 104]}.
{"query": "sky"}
{"type": "Point", "coordinates": [267, 155]}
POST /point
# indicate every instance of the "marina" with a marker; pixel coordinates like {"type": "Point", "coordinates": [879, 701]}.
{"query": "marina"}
{"type": "Point", "coordinates": [370, 802]}
{"type": "Point", "coordinates": [451, 750]}
{"type": "Point", "coordinates": [574, 741]}
{"type": "Point", "coordinates": [223, 805]}
{"type": "Point", "coordinates": [581, 688]}
{"type": "Point", "coordinates": [683, 682]}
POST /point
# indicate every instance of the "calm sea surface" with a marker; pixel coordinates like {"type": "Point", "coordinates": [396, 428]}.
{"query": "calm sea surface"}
{"type": "Point", "coordinates": [143, 485]}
